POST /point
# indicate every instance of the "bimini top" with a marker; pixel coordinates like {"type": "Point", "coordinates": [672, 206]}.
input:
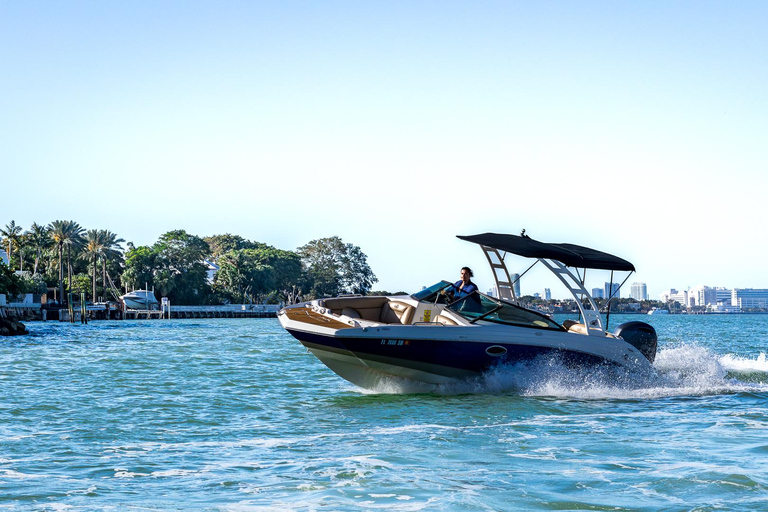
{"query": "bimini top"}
{"type": "Point", "coordinates": [569, 255]}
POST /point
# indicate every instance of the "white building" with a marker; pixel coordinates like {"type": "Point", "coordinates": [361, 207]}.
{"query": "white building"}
{"type": "Point", "coordinates": [210, 270]}
{"type": "Point", "coordinates": [703, 296]}
{"type": "Point", "coordinates": [4, 257]}
{"type": "Point", "coordinates": [639, 291]}
{"type": "Point", "coordinates": [675, 296]}
{"type": "Point", "coordinates": [749, 298]}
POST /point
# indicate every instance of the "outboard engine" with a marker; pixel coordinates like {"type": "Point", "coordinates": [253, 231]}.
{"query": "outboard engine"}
{"type": "Point", "coordinates": [641, 336]}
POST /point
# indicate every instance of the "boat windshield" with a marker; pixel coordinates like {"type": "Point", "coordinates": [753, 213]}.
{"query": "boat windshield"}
{"type": "Point", "coordinates": [478, 307]}
{"type": "Point", "coordinates": [432, 294]}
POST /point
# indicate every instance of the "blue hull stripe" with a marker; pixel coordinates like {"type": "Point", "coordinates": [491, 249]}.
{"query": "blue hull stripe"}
{"type": "Point", "coordinates": [464, 356]}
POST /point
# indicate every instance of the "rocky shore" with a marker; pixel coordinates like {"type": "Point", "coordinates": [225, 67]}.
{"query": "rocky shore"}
{"type": "Point", "coordinates": [11, 326]}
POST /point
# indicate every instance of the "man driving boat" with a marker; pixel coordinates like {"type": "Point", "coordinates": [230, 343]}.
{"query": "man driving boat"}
{"type": "Point", "coordinates": [463, 286]}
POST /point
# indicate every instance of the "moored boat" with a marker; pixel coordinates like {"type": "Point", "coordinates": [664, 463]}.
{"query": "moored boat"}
{"type": "Point", "coordinates": [140, 299]}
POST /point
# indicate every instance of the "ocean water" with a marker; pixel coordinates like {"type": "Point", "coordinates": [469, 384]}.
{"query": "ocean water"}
{"type": "Point", "coordinates": [236, 415]}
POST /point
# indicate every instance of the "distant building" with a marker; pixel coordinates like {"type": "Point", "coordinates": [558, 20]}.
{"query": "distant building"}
{"type": "Point", "coordinates": [749, 298]}
{"type": "Point", "coordinates": [639, 291]}
{"type": "Point", "coordinates": [722, 295]}
{"type": "Point", "coordinates": [210, 270]}
{"type": "Point", "coordinates": [598, 293]}
{"type": "Point", "coordinates": [705, 296]}
{"type": "Point", "coordinates": [612, 290]}
{"type": "Point", "coordinates": [515, 283]}
{"type": "Point", "coordinates": [547, 294]}
{"type": "Point", "coordinates": [4, 257]}
{"type": "Point", "coordinates": [673, 295]}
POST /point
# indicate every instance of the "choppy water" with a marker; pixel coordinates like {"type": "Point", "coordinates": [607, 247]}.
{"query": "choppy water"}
{"type": "Point", "coordinates": [236, 415]}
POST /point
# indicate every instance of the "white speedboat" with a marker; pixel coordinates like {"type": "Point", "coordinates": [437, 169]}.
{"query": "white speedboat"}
{"type": "Point", "coordinates": [140, 299]}
{"type": "Point", "coordinates": [430, 340]}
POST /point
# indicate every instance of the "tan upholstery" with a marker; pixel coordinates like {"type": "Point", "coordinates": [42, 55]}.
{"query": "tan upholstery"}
{"type": "Point", "coordinates": [375, 309]}
{"type": "Point", "coordinates": [351, 313]}
{"type": "Point", "coordinates": [576, 327]}
{"type": "Point", "coordinates": [445, 320]}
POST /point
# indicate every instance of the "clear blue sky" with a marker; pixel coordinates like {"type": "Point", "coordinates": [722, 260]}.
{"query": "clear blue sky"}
{"type": "Point", "coordinates": [638, 128]}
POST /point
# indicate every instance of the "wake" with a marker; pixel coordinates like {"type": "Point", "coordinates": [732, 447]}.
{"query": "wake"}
{"type": "Point", "coordinates": [685, 370]}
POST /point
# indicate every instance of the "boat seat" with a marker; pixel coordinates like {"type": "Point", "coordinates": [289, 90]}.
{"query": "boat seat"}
{"type": "Point", "coordinates": [445, 320]}
{"type": "Point", "coordinates": [373, 309]}
{"type": "Point", "coordinates": [394, 312]}
{"type": "Point", "coordinates": [572, 326]}
{"type": "Point", "coordinates": [351, 313]}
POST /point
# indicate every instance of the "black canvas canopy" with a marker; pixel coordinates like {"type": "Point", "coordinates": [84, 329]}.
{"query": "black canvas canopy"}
{"type": "Point", "coordinates": [568, 254]}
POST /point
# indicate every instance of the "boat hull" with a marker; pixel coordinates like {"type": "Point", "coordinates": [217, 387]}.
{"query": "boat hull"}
{"type": "Point", "coordinates": [140, 299]}
{"type": "Point", "coordinates": [423, 360]}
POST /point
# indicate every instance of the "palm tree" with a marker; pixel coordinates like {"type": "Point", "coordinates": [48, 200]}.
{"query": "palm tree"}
{"type": "Point", "coordinates": [91, 251]}
{"type": "Point", "coordinates": [110, 249]}
{"type": "Point", "coordinates": [102, 244]}
{"type": "Point", "coordinates": [12, 235]}
{"type": "Point", "coordinates": [69, 233]}
{"type": "Point", "coordinates": [40, 239]}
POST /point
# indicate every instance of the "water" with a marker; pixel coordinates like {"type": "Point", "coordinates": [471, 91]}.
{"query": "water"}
{"type": "Point", "coordinates": [236, 415]}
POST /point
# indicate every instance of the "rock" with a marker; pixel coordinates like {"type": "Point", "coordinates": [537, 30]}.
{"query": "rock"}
{"type": "Point", "coordinates": [12, 328]}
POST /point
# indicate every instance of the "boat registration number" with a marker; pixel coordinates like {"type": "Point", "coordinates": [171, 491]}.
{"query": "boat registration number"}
{"type": "Point", "coordinates": [397, 343]}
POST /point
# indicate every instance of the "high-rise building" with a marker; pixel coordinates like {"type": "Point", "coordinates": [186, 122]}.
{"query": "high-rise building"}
{"type": "Point", "coordinates": [639, 291]}
{"type": "Point", "coordinates": [598, 293]}
{"type": "Point", "coordinates": [612, 290]}
{"type": "Point", "coordinates": [547, 294]}
{"type": "Point", "coordinates": [515, 283]}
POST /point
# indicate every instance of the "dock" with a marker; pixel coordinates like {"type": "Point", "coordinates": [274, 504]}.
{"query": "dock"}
{"type": "Point", "coordinates": [34, 312]}
{"type": "Point", "coordinates": [224, 311]}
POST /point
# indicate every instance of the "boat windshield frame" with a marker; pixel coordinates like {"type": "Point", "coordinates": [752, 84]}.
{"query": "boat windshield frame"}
{"type": "Point", "coordinates": [432, 293]}
{"type": "Point", "coordinates": [479, 307]}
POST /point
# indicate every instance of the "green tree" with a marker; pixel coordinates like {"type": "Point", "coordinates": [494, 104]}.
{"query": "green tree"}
{"type": "Point", "coordinates": [10, 284]}
{"type": "Point", "coordinates": [110, 250]}
{"type": "Point", "coordinates": [220, 245]}
{"type": "Point", "coordinates": [139, 267]}
{"type": "Point", "coordinates": [179, 270]}
{"type": "Point", "coordinates": [12, 236]}
{"type": "Point", "coordinates": [91, 252]}
{"type": "Point", "coordinates": [286, 267]}
{"type": "Point", "coordinates": [242, 277]}
{"type": "Point", "coordinates": [69, 234]}
{"type": "Point", "coordinates": [332, 267]}
{"type": "Point", "coordinates": [40, 240]}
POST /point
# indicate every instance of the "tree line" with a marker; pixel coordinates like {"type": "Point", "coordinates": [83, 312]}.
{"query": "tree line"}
{"type": "Point", "coordinates": [63, 257]}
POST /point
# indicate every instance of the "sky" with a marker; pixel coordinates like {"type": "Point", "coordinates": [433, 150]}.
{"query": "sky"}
{"type": "Point", "coordinates": [636, 128]}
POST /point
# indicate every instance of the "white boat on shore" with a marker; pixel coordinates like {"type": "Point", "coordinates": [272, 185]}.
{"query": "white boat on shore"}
{"type": "Point", "coordinates": [430, 339]}
{"type": "Point", "coordinates": [657, 311]}
{"type": "Point", "coordinates": [140, 299]}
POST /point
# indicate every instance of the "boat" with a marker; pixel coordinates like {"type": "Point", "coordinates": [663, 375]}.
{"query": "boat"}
{"type": "Point", "coordinates": [657, 311]}
{"type": "Point", "coordinates": [426, 339]}
{"type": "Point", "coordinates": [140, 299]}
